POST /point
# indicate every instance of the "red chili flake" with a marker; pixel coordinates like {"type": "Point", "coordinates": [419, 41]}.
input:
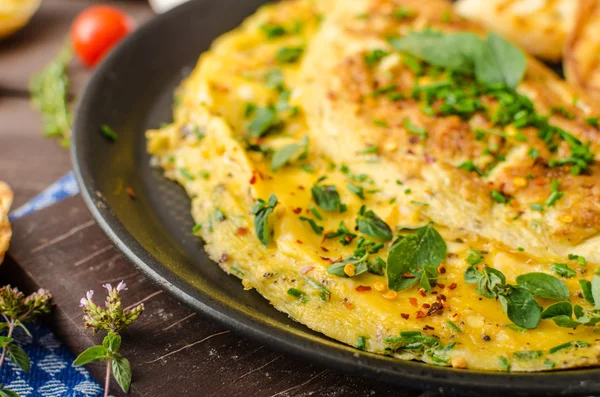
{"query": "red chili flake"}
{"type": "Point", "coordinates": [436, 307]}
{"type": "Point", "coordinates": [224, 257]}
{"type": "Point", "coordinates": [362, 288]}
{"type": "Point", "coordinates": [408, 275]}
{"type": "Point", "coordinates": [441, 269]}
{"type": "Point", "coordinates": [413, 301]}
{"type": "Point", "coordinates": [540, 181]}
{"type": "Point", "coordinates": [253, 179]}
{"type": "Point", "coordinates": [422, 292]}
{"type": "Point", "coordinates": [420, 314]}
{"type": "Point", "coordinates": [443, 297]}
{"type": "Point", "coordinates": [452, 286]}
{"type": "Point", "coordinates": [413, 139]}
{"type": "Point", "coordinates": [404, 316]}
{"type": "Point", "coordinates": [428, 327]}
{"type": "Point", "coordinates": [130, 193]}
{"type": "Point", "coordinates": [440, 285]}
{"type": "Point", "coordinates": [331, 95]}
{"type": "Point", "coordinates": [410, 151]}
{"type": "Point", "coordinates": [324, 249]}
{"type": "Point", "coordinates": [306, 269]}
{"type": "Point", "coordinates": [348, 238]}
{"type": "Point", "coordinates": [297, 210]}
{"type": "Point", "coordinates": [300, 187]}
{"type": "Point", "coordinates": [429, 159]}
{"type": "Point", "coordinates": [241, 231]}
{"type": "Point", "coordinates": [426, 305]}
{"type": "Point", "coordinates": [300, 241]}
{"type": "Point", "coordinates": [348, 305]}
{"type": "Point", "coordinates": [434, 292]}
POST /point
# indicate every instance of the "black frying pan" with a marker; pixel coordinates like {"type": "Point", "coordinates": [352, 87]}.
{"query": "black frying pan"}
{"type": "Point", "coordinates": [132, 91]}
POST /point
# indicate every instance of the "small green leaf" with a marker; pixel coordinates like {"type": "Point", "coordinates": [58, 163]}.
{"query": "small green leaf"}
{"type": "Point", "coordinates": [18, 356]}
{"type": "Point", "coordinates": [565, 321]}
{"type": "Point", "coordinates": [261, 211]}
{"type": "Point", "coordinates": [327, 197]}
{"type": "Point", "coordinates": [544, 286]}
{"type": "Point", "coordinates": [522, 308]}
{"type": "Point", "coordinates": [558, 309]}
{"type": "Point", "coordinates": [596, 291]}
{"type": "Point", "coordinates": [112, 342]}
{"type": "Point", "coordinates": [264, 119]}
{"type": "Point", "coordinates": [289, 54]}
{"type": "Point", "coordinates": [5, 341]}
{"type": "Point", "coordinates": [122, 372]}
{"type": "Point", "coordinates": [108, 132]}
{"type": "Point", "coordinates": [423, 250]}
{"type": "Point", "coordinates": [586, 288]}
{"type": "Point", "coordinates": [94, 353]}
{"type": "Point", "coordinates": [563, 270]}
{"type": "Point", "coordinates": [288, 153]}
{"type": "Point", "coordinates": [499, 62]}
{"type": "Point", "coordinates": [373, 226]}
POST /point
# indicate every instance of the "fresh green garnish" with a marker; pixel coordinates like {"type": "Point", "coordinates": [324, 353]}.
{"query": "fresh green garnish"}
{"type": "Point", "coordinates": [555, 195]}
{"type": "Point", "coordinates": [420, 344]}
{"type": "Point", "coordinates": [454, 327]}
{"type": "Point", "coordinates": [380, 123]}
{"type": "Point", "coordinates": [298, 294]}
{"type": "Point", "coordinates": [361, 343]}
{"type": "Point", "coordinates": [109, 133]}
{"type": "Point", "coordinates": [544, 286]}
{"type": "Point", "coordinates": [327, 198]}
{"type": "Point", "coordinates": [265, 118]}
{"type": "Point", "coordinates": [261, 211]}
{"type": "Point", "coordinates": [289, 54]}
{"type": "Point", "coordinates": [357, 190]}
{"type": "Point", "coordinates": [592, 121]}
{"type": "Point", "coordinates": [498, 197]}
{"type": "Point", "coordinates": [372, 225]}
{"type": "Point", "coordinates": [343, 233]}
{"type": "Point", "coordinates": [470, 167]}
{"type": "Point", "coordinates": [186, 174]}
{"type": "Point", "coordinates": [316, 228]}
{"type": "Point", "coordinates": [418, 254]}
{"type": "Point", "coordinates": [563, 270]}
{"type": "Point", "coordinates": [403, 13]}
{"type": "Point", "coordinates": [372, 57]}
{"type": "Point", "coordinates": [474, 257]}
{"type": "Point", "coordinates": [528, 355]}
{"type": "Point", "coordinates": [413, 129]}
{"type": "Point", "coordinates": [288, 153]}
{"type": "Point", "coordinates": [272, 30]}
{"type": "Point", "coordinates": [504, 364]}
{"type": "Point", "coordinates": [533, 153]}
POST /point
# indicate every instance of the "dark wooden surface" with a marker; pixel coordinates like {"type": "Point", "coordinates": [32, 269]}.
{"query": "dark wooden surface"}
{"type": "Point", "coordinates": [174, 351]}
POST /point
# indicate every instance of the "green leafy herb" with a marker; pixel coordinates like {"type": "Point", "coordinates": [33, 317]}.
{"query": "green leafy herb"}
{"type": "Point", "coordinates": [50, 95]}
{"type": "Point", "coordinates": [474, 257]}
{"type": "Point", "coordinates": [420, 252]}
{"type": "Point", "coordinates": [498, 197]}
{"type": "Point", "coordinates": [410, 127]}
{"type": "Point", "coordinates": [357, 190]}
{"type": "Point", "coordinates": [373, 226]}
{"type": "Point", "coordinates": [544, 286]}
{"type": "Point", "coordinates": [454, 327]}
{"type": "Point", "coordinates": [563, 270]}
{"type": "Point", "coordinates": [372, 57]}
{"type": "Point", "coordinates": [343, 233]}
{"type": "Point", "coordinates": [316, 228]}
{"type": "Point", "coordinates": [420, 344]}
{"type": "Point", "coordinates": [298, 294]}
{"type": "Point", "coordinates": [596, 291]}
{"type": "Point", "coordinates": [261, 211]}
{"type": "Point", "coordinates": [327, 198]}
{"type": "Point", "coordinates": [109, 133]}
{"type": "Point", "coordinates": [361, 343]}
{"type": "Point", "coordinates": [265, 118]}
{"type": "Point", "coordinates": [288, 153]}
{"type": "Point", "coordinates": [533, 153]}
{"type": "Point", "coordinates": [470, 167]}
{"type": "Point", "coordinates": [186, 174]}
{"type": "Point", "coordinates": [499, 62]}
{"type": "Point", "coordinates": [272, 30]}
{"type": "Point", "coordinates": [593, 121]}
{"type": "Point", "coordinates": [528, 355]}
{"type": "Point", "coordinates": [504, 364]}
{"type": "Point", "coordinates": [586, 288]}
{"type": "Point", "coordinates": [360, 265]}
{"type": "Point", "coordinates": [289, 54]}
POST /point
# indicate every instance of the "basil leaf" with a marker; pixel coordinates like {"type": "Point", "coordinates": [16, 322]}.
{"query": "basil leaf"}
{"type": "Point", "coordinates": [261, 211]}
{"type": "Point", "coordinates": [472, 275]}
{"type": "Point", "coordinates": [315, 227]}
{"type": "Point", "coordinates": [338, 268]}
{"type": "Point", "coordinates": [454, 51]}
{"type": "Point", "coordinates": [122, 372]}
{"type": "Point", "coordinates": [265, 118]}
{"type": "Point", "coordinates": [491, 283]}
{"type": "Point", "coordinates": [377, 267]}
{"type": "Point", "coordinates": [374, 226]}
{"type": "Point", "coordinates": [425, 248]}
{"type": "Point", "coordinates": [522, 308]}
{"type": "Point", "coordinates": [596, 291]}
{"type": "Point", "coordinates": [327, 197]}
{"type": "Point", "coordinates": [474, 257]}
{"type": "Point", "coordinates": [287, 153]}
{"type": "Point", "coordinates": [499, 62]}
{"type": "Point", "coordinates": [565, 321]}
{"type": "Point", "coordinates": [545, 286]}
{"type": "Point", "coordinates": [558, 309]}
{"type": "Point", "coordinates": [94, 353]}
{"type": "Point", "coordinates": [586, 288]}
{"type": "Point", "coordinates": [578, 310]}
{"type": "Point", "coordinates": [289, 54]}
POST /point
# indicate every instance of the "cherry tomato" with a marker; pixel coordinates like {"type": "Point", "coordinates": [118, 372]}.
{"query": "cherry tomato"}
{"type": "Point", "coordinates": [96, 30]}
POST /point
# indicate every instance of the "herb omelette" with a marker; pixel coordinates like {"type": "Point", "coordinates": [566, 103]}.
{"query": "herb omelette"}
{"type": "Point", "coordinates": [388, 174]}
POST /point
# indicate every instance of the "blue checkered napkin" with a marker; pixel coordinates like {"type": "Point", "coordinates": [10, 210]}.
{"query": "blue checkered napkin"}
{"type": "Point", "coordinates": [59, 190]}
{"type": "Point", "coordinates": [51, 373]}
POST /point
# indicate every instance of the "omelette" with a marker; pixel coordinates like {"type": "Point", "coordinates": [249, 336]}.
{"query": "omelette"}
{"type": "Point", "coordinates": [6, 197]}
{"type": "Point", "coordinates": [388, 174]}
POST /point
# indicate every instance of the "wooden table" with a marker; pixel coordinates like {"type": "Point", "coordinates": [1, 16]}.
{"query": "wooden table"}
{"type": "Point", "coordinates": [174, 351]}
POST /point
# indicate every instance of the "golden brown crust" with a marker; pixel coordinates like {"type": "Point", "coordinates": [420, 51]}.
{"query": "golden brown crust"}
{"type": "Point", "coordinates": [582, 50]}
{"type": "Point", "coordinates": [6, 197]}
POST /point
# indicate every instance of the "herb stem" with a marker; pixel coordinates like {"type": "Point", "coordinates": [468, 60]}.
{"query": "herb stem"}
{"type": "Point", "coordinates": [11, 327]}
{"type": "Point", "coordinates": [107, 380]}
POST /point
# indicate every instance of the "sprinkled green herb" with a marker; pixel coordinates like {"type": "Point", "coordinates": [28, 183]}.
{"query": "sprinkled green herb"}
{"type": "Point", "coordinates": [298, 294]}
{"type": "Point", "coordinates": [316, 228]}
{"type": "Point", "coordinates": [371, 58]}
{"type": "Point", "coordinates": [289, 54]}
{"type": "Point", "coordinates": [109, 133]}
{"type": "Point", "coordinates": [403, 13]}
{"type": "Point", "coordinates": [372, 225]}
{"type": "Point", "coordinates": [474, 257]}
{"type": "Point", "coordinates": [316, 213]}
{"type": "Point", "coordinates": [407, 191]}
{"type": "Point", "coordinates": [343, 233]}
{"type": "Point", "coordinates": [563, 270]}
{"type": "Point", "coordinates": [288, 153]}
{"type": "Point", "coordinates": [537, 207]}
{"type": "Point", "coordinates": [272, 30]}
{"type": "Point", "coordinates": [561, 110]}
{"type": "Point", "coordinates": [453, 326]}
{"type": "Point", "coordinates": [384, 90]}
{"type": "Point", "coordinates": [361, 343]}
{"type": "Point", "coordinates": [319, 286]}
{"type": "Point", "coordinates": [533, 153]}
{"type": "Point", "coordinates": [470, 167]}
{"type": "Point", "coordinates": [419, 203]}
{"type": "Point", "coordinates": [327, 198]}
{"type": "Point", "coordinates": [521, 249]}
{"type": "Point", "coordinates": [308, 168]}
{"type": "Point", "coordinates": [446, 17]}
{"type": "Point", "coordinates": [370, 150]}
{"type": "Point", "coordinates": [357, 190]}
{"type": "Point", "coordinates": [549, 364]}
{"type": "Point", "coordinates": [196, 228]}
{"type": "Point", "coordinates": [580, 259]}
{"type": "Point", "coordinates": [265, 118]}
{"type": "Point", "coordinates": [592, 121]}
{"type": "Point", "coordinates": [237, 271]}
{"type": "Point", "coordinates": [504, 364]}
{"type": "Point", "coordinates": [261, 210]}
{"type": "Point", "coordinates": [498, 197]}
{"type": "Point", "coordinates": [528, 355]}
{"type": "Point", "coordinates": [186, 174]}
{"type": "Point", "coordinates": [555, 195]}
{"type": "Point", "coordinates": [380, 123]}
{"type": "Point", "coordinates": [410, 127]}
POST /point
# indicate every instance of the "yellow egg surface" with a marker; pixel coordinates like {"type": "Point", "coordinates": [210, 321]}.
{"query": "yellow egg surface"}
{"type": "Point", "coordinates": [321, 180]}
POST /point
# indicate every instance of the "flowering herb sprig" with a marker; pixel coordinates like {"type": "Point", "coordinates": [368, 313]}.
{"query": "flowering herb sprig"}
{"type": "Point", "coordinates": [17, 309]}
{"type": "Point", "coordinates": [112, 319]}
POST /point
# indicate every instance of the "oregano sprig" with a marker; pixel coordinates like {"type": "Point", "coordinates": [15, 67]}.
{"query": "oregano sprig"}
{"type": "Point", "coordinates": [111, 318]}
